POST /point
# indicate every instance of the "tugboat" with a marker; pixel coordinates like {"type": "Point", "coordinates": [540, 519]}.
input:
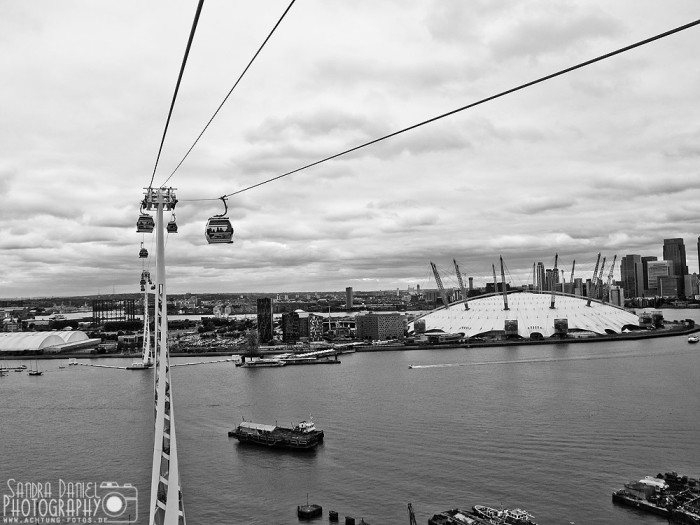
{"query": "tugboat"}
{"type": "Point", "coordinates": [305, 435]}
{"type": "Point", "coordinates": [505, 516]}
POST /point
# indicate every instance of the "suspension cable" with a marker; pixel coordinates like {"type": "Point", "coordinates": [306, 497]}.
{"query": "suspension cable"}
{"type": "Point", "coordinates": [229, 93]}
{"type": "Point", "coordinates": [177, 86]}
{"type": "Point", "coordinates": [473, 104]}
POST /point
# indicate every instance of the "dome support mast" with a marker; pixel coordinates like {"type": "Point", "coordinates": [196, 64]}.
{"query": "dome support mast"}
{"type": "Point", "coordinates": [554, 274]}
{"type": "Point", "coordinates": [441, 288]}
{"type": "Point", "coordinates": [589, 291]}
{"type": "Point", "coordinates": [461, 284]}
{"type": "Point", "coordinates": [503, 286]}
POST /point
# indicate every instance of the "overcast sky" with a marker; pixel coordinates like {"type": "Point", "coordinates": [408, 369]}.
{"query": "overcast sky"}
{"type": "Point", "coordinates": [604, 159]}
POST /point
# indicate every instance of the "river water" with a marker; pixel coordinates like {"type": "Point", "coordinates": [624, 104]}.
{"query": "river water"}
{"type": "Point", "coordinates": [553, 429]}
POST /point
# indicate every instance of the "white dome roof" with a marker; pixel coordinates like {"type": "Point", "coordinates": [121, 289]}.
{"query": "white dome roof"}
{"type": "Point", "coordinates": [532, 313]}
{"type": "Point", "coordinates": [18, 341]}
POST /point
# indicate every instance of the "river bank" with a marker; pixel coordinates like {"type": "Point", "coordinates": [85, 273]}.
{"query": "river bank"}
{"type": "Point", "coordinates": [674, 331]}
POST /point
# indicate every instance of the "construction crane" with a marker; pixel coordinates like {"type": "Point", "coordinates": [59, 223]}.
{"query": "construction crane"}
{"type": "Point", "coordinates": [554, 283]}
{"type": "Point", "coordinates": [589, 288]}
{"type": "Point", "coordinates": [461, 284]}
{"type": "Point", "coordinates": [411, 515]}
{"type": "Point", "coordinates": [610, 276]}
{"type": "Point", "coordinates": [441, 288]}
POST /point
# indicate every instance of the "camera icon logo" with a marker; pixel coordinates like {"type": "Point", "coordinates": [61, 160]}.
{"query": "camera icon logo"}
{"type": "Point", "coordinates": [119, 502]}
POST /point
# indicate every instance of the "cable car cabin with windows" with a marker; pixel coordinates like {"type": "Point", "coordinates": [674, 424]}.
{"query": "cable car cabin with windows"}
{"type": "Point", "coordinates": [172, 225]}
{"type": "Point", "coordinates": [143, 252]}
{"type": "Point", "coordinates": [145, 223]}
{"type": "Point", "coordinates": [219, 230]}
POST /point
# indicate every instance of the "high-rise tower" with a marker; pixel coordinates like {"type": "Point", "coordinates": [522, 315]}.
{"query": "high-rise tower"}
{"type": "Point", "coordinates": [632, 275]}
{"type": "Point", "coordinates": [674, 250]}
{"type": "Point", "coordinates": [265, 322]}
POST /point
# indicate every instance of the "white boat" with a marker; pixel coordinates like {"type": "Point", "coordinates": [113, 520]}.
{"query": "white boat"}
{"type": "Point", "coordinates": [139, 365]}
{"type": "Point", "coordinates": [693, 339]}
{"type": "Point", "coordinates": [259, 362]}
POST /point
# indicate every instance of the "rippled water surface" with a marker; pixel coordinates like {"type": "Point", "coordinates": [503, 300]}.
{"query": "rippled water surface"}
{"type": "Point", "coordinates": [552, 429]}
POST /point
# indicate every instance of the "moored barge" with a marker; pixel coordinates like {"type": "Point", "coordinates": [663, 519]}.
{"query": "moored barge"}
{"type": "Point", "coordinates": [663, 495]}
{"type": "Point", "coordinates": [305, 435]}
{"type": "Point", "coordinates": [505, 516]}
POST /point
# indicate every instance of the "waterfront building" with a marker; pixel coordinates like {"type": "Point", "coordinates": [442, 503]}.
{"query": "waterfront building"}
{"type": "Point", "coordinates": [670, 286]}
{"type": "Point", "coordinates": [655, 270]}
{"type": "Point", "coordinates": [691, 286]}
{"type": "Point", "coordinates": [265, 322]}
{"type": "Point", "coordinates": [529, 316]}
{"type": "Point", "coordinates": [300, 325]}
{"type": "Point", "coordinates": [310, 326]}
{"type": "Point", "coordinates": [290, 327]}
{"type": "Point", "coordinates": [632, 275]}
{"type": "Point", "coordinates": [380, 326]}
{"type": "Point", "coordinates": [674, 250]}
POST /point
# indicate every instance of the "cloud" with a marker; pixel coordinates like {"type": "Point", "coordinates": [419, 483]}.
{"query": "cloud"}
{"type": "Point", "coordinates": [601, 160]}
{"type": "Point", "coordinates": [542, 204]}
{"type": "Point", "coordinates": [533, 34]}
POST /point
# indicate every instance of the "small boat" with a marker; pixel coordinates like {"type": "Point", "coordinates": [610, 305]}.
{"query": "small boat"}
{"type": "Point", "coordinates": [259, 362]}
{"type": "Point", "coordinates": [305, 435]}
{"type": "Point", "coordinates": [693, 339]}
{"type": "Point", "coordinates": [140, 365]}
{"type": "Point", "coordinates": [72, 362]}
{"type": "Point", "coordinates": [35, 371]}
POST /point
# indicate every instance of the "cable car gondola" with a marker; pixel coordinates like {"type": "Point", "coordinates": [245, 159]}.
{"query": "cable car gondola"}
{"type": "Point", "coordinates": [143, 252]}
{"type": "Point", "coordinates": [219, 229]}
{"type": "Point", "coordinates": [172, 225]}
{"type": "Point", "coordinates": [145, 223]}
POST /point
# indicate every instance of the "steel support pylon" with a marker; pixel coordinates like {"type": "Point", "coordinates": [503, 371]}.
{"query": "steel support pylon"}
{"type": "Point", "coordinates": [166, 507]}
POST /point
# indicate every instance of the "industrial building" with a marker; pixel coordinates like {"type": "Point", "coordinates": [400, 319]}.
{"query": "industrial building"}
{"type": "Point", "coordinates": [380, 326]}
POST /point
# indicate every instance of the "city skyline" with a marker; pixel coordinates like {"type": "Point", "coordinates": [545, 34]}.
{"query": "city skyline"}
{"type": "Point", "coordinates": [600, 160]}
